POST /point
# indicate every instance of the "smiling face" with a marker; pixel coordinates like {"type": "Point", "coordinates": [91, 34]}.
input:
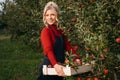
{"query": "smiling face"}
{"type": "Point", "coordinates": [50, 16]}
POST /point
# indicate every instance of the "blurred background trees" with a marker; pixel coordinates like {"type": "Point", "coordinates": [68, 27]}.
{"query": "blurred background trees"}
{"type": "Point", "coordinates": [93, 25]}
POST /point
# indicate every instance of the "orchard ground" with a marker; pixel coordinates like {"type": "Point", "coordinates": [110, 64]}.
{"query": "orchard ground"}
{"type": "Point", "coordinates": [18, 62]}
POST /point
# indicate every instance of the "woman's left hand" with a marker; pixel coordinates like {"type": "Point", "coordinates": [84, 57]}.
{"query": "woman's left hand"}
{"type": "Point", "coordinates": [59, 69]}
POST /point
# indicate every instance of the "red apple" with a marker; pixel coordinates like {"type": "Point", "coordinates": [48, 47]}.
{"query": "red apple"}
{"type": "Point", "coordinates": [105, 71]}
{"type": "Point", "coordinates": [78, 61]}
{"type": "Point", "coordinates": [118, 40]}
{"type": "Point", "coordinates": [79, 78]}
{"type": "Point", "coordinates": [74, 19]}
{"type": "Point", "coordinates": [75, 47]}
{"type": "Point", "coordinates": [91, 1]}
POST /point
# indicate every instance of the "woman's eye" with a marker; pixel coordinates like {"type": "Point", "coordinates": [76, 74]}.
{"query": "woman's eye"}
{"type": "Point", "coordinates": [52, 14]}
{"type": "Point", "coordinates": [46, 15]}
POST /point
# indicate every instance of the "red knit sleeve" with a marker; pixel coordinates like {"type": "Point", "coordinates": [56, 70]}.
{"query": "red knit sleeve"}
{"type": "Point", "coordinates": [47, 45]}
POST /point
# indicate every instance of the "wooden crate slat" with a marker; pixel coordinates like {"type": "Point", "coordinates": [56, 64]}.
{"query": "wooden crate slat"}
{"type": "Point", "coordinates": [67, 70]}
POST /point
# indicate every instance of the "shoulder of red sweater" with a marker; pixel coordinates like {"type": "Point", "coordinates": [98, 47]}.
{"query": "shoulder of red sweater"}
{"type": "Point", "coordinates": [45, 29]}
{"type": "Point", "coordinates": [60, 30]}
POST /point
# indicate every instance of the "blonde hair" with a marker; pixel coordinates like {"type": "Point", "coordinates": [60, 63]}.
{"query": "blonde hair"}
{"type": "Point", "coordinates": [50, 5]}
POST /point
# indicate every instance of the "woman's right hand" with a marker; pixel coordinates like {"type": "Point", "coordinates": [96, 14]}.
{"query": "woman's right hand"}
{"type": "Point", "coordinates": [59, 69]}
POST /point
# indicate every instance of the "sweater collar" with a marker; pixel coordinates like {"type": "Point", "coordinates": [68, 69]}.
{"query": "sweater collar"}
{"type": "Point", "coordinates": [54, 27]}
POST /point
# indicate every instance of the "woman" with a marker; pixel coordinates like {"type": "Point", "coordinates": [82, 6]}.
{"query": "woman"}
{"type": "Point", "coordinates": [53, 42]}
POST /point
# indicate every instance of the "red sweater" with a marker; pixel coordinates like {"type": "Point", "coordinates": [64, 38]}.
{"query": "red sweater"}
{"type": "Point", "coordinates": [48, 40]}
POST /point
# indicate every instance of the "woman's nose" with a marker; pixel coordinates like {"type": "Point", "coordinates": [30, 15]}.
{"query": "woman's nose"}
{"type": "Point", "coordinates": [50, 17]}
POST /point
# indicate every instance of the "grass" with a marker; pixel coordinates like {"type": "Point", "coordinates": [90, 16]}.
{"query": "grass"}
{"type": "Point", "coordinates": [17, 61]}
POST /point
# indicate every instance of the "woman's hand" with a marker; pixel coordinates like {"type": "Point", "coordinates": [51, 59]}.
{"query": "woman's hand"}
{"type": "Point", "coordinates": [59, 69]}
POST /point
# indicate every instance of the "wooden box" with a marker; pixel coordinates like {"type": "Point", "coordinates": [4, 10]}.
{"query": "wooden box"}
{"type": "Point", "coordinates": [67, 70]}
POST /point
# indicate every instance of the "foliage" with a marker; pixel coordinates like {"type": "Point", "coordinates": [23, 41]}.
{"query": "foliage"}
{"type": "Point", "coordinates": [24, 20]}
{"type": "Point", "coordinates": [94, 26]}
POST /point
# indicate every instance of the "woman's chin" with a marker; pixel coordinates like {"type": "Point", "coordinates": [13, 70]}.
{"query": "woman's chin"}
{"type": "Point", "coordinates": [50, 23]}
